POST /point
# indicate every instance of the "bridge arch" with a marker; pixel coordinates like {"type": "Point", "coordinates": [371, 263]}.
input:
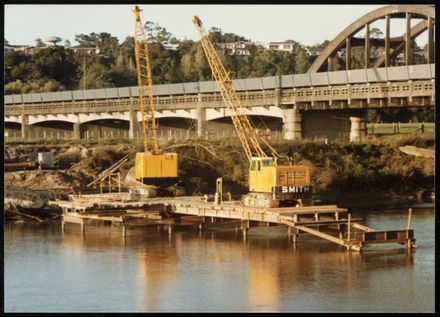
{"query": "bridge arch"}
{"type": "Point", "coordinates": [425, 12]}
{"type": "Point", "coordinates": [90, 117]}
{"type": "Point", "coordinates": [36, 119]}
{"type": "Point", "coordinates": [13, 119]}
{"type": "Point", "coordinates": [263, 111]}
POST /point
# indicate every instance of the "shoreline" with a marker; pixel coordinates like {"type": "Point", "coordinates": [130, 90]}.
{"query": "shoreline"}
{"type": "Point", "coordinates": [345, 174]}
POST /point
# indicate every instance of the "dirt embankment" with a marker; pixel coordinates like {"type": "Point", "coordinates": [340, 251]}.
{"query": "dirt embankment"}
{"type": "Point", "coordinates": [27, 192]}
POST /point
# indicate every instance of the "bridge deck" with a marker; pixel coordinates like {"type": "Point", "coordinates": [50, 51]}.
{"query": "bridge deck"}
{"type": "Point", "coordinates": [119, 211]}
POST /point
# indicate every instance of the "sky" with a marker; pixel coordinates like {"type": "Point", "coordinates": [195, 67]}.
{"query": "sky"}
{"type": "Point", "coordinates": [306, 24]}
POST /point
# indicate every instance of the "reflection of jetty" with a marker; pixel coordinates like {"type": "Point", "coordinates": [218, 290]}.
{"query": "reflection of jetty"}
{"type": "Point", "coordinates": [327, 222]}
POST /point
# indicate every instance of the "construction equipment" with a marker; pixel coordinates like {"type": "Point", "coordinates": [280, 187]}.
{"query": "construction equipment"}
{"type": "Point", "coordinates": [153, 167]}
{"type": "Point", "coordinates": [270, 183]}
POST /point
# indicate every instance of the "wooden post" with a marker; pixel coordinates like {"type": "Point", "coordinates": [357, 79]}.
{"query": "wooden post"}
{"type": "Point", "coordinates": [119, 182]}
{"type": "Point", "coordinates": [293, 233]}
{"type": "Point", "coordinates": [244, 227]}
{"type": "Point", "coordinates": [109, 183]}
{"type": "Point", "coordinates": [349, 230]}
{"type": "Point", "coordinates": [408, 226]}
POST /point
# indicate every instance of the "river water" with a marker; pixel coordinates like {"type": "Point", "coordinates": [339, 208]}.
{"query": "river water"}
{"type": "Point", "coordinates": [217, 270]}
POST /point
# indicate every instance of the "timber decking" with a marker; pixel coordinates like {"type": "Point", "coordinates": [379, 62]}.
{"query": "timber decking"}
{"type": "Point", "coordinates": [117, 209]}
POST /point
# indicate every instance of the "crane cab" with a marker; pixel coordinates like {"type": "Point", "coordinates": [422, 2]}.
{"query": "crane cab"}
{"type": "Point", "coordinates": [156, 169]}
{"type": "Point", "coordinates": [283, 181]}
{"type": "Point", "coordinates": [262, 174]}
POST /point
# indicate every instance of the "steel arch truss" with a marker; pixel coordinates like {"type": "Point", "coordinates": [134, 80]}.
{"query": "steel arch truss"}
{"type": "Point", "coordinates": [392, 46]}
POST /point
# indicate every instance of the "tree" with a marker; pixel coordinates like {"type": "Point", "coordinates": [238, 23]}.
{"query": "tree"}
{"type": "Point", "coordinates": [56, 63]}
{"type": "Point", "coordinates": [67, 43]}
{"type": "Point", "coordinates": [87, 40]}
{"type": "Point", "coordinates": [39, 43]}
{"type": "Point", "coordinates": [302, 62]}
{"type": "Point", "coordinates": [376, 33]}
{"type": "Point", "coordinates": [155, 33]}
{"type": "Point", "coordinates": [97, 76]}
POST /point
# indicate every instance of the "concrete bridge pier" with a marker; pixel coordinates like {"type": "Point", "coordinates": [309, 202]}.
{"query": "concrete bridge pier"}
{"type": "Point", "coordinates": [358, 131]}
{"type": "Point", "coordinates": [24, 126]}
{"type": "Point", "coordinates": [77, 131]}
{"type": "Point", "coordinates": [292, 124]}
{"type": "Point", "coordinates": [134, 124]}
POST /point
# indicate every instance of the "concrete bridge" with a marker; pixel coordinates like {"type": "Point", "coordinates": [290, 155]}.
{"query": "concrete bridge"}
{"type": "Point", "coordinates": [326, 104]}
{"type": "Point", "coordinates": [329, 104]}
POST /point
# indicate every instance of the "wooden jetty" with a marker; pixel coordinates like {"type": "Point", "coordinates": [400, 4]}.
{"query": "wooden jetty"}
{"type": "Point", "coordinates": [328, 222]}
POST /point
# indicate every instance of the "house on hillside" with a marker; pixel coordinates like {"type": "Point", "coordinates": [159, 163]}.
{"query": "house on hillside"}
{"type": "Point", "coordinates": [236, 48]}
{"type": "Point", "coordinates": [85, 48]}
{"type": "Point", "coordinates": [281, 46]}
{"type": "Point", "coordinates": [170, 47]}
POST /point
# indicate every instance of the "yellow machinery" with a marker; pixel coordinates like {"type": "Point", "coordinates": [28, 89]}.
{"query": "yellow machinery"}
{"type": "Point", "coordinates": [152, 167]}
{"type": "Point", "coordinates": [270, 183]}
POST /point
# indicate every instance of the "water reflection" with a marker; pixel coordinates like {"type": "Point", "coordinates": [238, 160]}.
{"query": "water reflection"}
{"type": "Point", "coordinates": [215, 270]}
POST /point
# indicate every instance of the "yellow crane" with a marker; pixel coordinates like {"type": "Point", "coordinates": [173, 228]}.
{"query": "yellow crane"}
{"type": "Point", "coordinates": [270, 183]}
{"type": "Point", "coordinates": [153, 167]}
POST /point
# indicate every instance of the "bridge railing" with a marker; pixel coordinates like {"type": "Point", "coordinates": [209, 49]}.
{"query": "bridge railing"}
{"type": "Point", "coordinates": [346, 93]}
{"type": "Point", "coordinates": [350, 77]}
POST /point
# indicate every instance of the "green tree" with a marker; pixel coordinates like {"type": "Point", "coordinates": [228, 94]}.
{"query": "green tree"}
{"type": "Point", "coordinates": [56, 63]}
{"type": "Point", "coordinates": [39, 43]}
{"type": "Point", "coordinates": [155, 33]}
{"type": "Point", "coordinates": [302, 62]}
{"type": "Point", "coordinates": [97, 76]}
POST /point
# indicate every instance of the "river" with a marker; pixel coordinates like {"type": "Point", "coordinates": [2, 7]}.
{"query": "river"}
{"type": "Point", "coordinates": [217, 270]}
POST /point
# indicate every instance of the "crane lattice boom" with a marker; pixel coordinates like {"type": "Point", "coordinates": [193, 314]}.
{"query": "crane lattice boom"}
{"type": "Point", "coordinates": [248, 134]}
{"type": "Point", "coordinates": [143, 65]}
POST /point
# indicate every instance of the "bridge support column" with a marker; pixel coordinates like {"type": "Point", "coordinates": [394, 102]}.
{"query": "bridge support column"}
{"type": "Point", "coordinates": [134, 125]}
{"type": "Point", "coordinates": [430, 41]}
{"type": "Point", "coordinates": [292, 124]}
{"type": "Point", "coordinates": [24, 126]}
{"type": "Point", "coordinates": [201, 118]}
{"type": "Point", "coordinates": [408, 41]}
{"type": "Point", "coordinates": [387, 40]}
{"type": "Point", "coordinates": [77, 131]}
{"type": "Point", "coordinates": [358, 130]}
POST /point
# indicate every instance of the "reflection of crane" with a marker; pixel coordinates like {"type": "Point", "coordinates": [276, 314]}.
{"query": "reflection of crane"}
{"type": "Point", "coordinates": [152, 167]}
{"type": "Point", "coordinates": [270, 184]}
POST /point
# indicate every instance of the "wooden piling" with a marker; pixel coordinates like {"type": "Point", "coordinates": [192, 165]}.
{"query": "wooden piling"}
{"type": "Point", "coordinates": [349, 230]}
{"type": "Point", "coordinates": [408, 225]}
{"type": "Point", "coordinates": [314, 220]}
